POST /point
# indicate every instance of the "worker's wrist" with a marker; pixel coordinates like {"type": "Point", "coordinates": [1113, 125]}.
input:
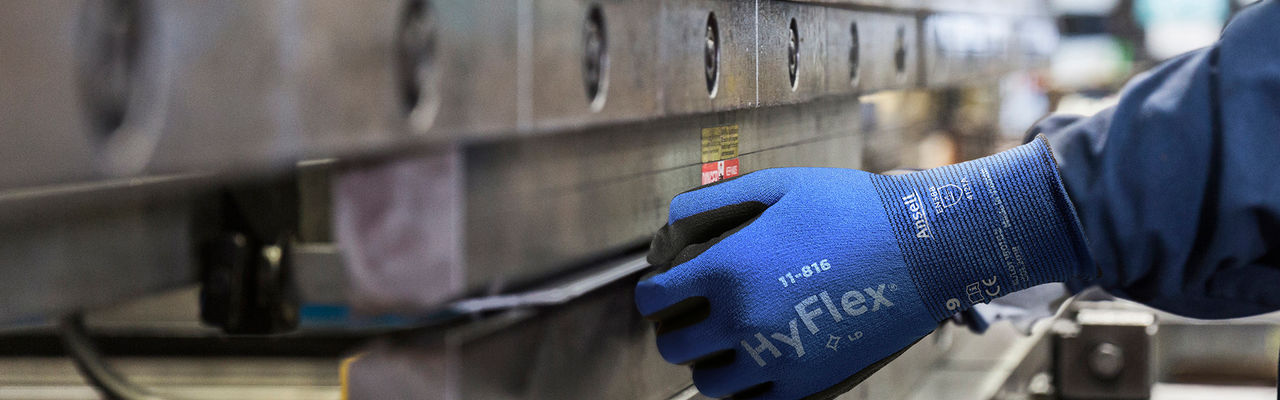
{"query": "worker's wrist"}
{"type": "Point", "coordinates": [981, 229]}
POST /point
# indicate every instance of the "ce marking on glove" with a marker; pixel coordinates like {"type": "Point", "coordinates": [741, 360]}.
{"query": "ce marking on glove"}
{"type": "Point", "coordinates": [805, 272]}
{"type": "Point", "coordinates": [989, 288]}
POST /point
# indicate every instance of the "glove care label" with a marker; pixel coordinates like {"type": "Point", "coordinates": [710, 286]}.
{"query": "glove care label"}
{"type": "Point", "coordinates": [977, 230]}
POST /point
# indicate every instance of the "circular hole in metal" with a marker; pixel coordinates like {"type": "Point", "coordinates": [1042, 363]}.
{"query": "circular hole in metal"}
{"type": "Point", "coordinates": [415, 53]}
{"type": "Point", "coordinates": [793, 55]}
{"type": "Point", "coordinates": [711, 55]}
{"type": "Point", "coordinates": [111, 45]}
{"type": "Point", "coordinates": [595, 57]}
{"type": "Point", "coordinates": [853, 53]}
{"type": "Point", "coordinates": [900, 51]}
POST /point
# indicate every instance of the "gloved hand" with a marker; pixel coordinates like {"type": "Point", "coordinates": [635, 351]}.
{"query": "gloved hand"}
{"type": "Point", "coordinates": [801, 282]}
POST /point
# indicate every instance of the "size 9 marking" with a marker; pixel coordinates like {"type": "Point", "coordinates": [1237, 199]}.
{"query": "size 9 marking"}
{"type": "Point", "coordinates": [805, 272]}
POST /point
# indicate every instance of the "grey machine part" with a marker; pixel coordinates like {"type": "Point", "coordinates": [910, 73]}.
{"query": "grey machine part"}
{"type": "Point", "coordinates": [521, 145]}
{"type": "Point", "coordinates": [118, 114]}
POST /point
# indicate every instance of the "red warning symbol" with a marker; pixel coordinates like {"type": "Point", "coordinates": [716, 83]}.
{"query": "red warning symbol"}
{"type": "Point", "coordinates": [715, 171]}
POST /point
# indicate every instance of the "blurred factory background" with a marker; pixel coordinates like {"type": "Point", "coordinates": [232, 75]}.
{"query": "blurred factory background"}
{"type": "Point", "coordinates": [451, 199]}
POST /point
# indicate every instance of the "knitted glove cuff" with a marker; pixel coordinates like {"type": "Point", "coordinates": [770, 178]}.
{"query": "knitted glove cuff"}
{"type": "Point", "coordinates": [977, 230]}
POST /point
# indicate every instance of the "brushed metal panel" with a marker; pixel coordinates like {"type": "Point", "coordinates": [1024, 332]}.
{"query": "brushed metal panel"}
{"type": "Point", "coordinates": [889, 50]}
{"type": "Point", "coordinates": [630, 81]}
{"type": "Point", "coordinates": [775, 86]}
{"type": "Point", "coordinates": [45, 134]}
{"type": "Point", "coordinates": [478, 43]}
{"type": "Point", "coordinates": [681, 51]}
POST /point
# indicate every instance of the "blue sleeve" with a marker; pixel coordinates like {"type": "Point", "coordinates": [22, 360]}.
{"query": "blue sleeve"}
{"type": "Point", "coordinates": [1178, 185]}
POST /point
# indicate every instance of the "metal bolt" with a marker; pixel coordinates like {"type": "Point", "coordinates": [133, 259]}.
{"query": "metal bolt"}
{"type": "Point", "coordinates": [853, 54]}
{"type": "Point", "coordinates": [594, 56]}
{"type": "Point", "coordinates": [111, 43]}
{"type": "Point", "coordinates": [793, 54]}
{"type": "Point", "coordinates": [1106, 361]}
{"type": "Point", "coordinates": [712, 54]}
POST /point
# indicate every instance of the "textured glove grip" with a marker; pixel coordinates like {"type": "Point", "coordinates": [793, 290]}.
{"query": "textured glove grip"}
{"type": "Point", "coordinates": [977, 230]}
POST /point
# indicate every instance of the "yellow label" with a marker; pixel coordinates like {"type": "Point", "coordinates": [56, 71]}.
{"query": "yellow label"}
{"type": "Point", "coordinates": [719, 143]}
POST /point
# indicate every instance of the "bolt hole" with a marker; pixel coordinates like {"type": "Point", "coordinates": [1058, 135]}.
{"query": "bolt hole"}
{"type": "Point", "coordinates": [853, 53]}
{"type": "Point", "coordinates": [595, 57]}
{"type": "Point", "coordinates": [711, 55]}
{"type": "Point", "coordinates": [900, 51]}
{"type": "Point", "coordinates": [416, 57]}
{"type": "Point", "coordinates": [793, 55]}
{"type": "Point", "coordinates": [112, 30]}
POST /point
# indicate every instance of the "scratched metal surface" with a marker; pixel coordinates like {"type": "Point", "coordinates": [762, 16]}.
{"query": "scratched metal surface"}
{"type": "Point", "coordinates": [242, 86]}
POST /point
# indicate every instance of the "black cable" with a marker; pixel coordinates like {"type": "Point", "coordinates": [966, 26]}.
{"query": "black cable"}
{"type": "Point", "coordinates": [112, 385]}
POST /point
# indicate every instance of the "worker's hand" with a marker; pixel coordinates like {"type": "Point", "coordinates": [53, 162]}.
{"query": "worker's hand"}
{"type": "Point", "coordinates": [800, 282]}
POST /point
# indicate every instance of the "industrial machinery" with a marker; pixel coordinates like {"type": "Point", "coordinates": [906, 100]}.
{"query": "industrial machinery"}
{"type": "Point", "coordinates": [455, 196]}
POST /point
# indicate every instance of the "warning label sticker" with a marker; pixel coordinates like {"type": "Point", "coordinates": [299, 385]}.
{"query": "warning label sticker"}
{"type": "Point", "coordinates": [715, 171]}
{"type": "Point", "coordinates": [719, 143]}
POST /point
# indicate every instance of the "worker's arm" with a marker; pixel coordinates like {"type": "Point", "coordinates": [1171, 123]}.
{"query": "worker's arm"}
{"type": "Point", "coordinates": [1178, 186]}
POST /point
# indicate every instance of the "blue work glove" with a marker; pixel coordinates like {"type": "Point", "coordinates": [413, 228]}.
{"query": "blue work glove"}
{"type": "Point", "coordinates": [800, 282]}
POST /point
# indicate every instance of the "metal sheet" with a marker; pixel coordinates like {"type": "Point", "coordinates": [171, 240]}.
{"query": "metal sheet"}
{"type": "Point", "coordinates": [73, 259]}
{"type": "Point", "coordinates": [46, 133]}
{"type": "Point", "coordinates": [596, 348]}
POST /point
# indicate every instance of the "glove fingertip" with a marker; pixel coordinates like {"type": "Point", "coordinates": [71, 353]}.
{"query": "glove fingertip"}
{"type": "Point", "coordinates": [647, 297]}
{"type": "Point", "coordinates": [691, 345]}
{"type": "Point", "coordinates": [663, 247]}
{"type": "Point", "coordinates": [654, 295]}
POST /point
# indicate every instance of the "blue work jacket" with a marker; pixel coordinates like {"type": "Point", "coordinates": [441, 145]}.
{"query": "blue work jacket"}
{"type": "Point", "coordinates": [1178, 185]}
